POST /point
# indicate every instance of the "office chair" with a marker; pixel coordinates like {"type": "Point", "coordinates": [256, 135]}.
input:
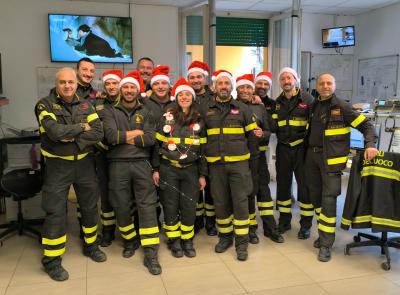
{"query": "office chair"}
{"type": "Point", "coordinates": [21, 184]}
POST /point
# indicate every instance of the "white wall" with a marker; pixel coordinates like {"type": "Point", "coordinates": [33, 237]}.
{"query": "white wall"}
{"type": "Point", "coordinates": [24, 45]}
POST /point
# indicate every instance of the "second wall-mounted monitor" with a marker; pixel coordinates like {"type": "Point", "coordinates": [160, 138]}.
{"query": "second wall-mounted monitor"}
{"type": "Point", "coordinates": [338, 37]}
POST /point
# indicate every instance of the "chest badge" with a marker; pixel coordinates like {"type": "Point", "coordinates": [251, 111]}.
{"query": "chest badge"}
{"type": "Point", "coordinates": [336, 112]}
{"type": "Point", "coordinates": [56, 106]}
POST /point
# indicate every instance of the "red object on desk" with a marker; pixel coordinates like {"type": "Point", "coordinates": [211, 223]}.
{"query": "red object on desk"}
{"type": "Point", "coordinates": [4, 101]}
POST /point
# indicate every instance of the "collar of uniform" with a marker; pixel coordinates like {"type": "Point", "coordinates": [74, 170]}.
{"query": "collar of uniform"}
{"type": "Point", "coordinates": [84, 87]}
{"type": "Point", "coordinates": [58, 98]}
{"type": "Point", "coordinates": [297, 94]}
{"type": "Point", "coordinates": [157, 101]}
{"type": "Point", "coordinates": [219, 100]}
{"type": "Point", "coordinates": [118, 104]}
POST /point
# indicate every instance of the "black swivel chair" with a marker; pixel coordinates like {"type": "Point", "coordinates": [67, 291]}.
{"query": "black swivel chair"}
{"type": "Point", "coordinates": [21, 184]}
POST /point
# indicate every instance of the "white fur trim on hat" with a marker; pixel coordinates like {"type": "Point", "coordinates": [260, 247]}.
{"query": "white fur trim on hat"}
{"type": "Point", "coordinates": [182, 88]}
{"type": "Point", "coordinates": [200, 70]}
{"type": "Point", "coordinates": [111, 76]}
{"type": "Point", "coordinates": [225, 74]}
{"type": "Point", "coordinates": [159, 77]}
{"type": "Point", "coordinates": [244, 82]}
{"type": "Point", "coordinates": [130, 80]}
{"type": "Point", "coordinates": [290, 71]}
{"type": "Point", "coordinates": [263, 77]}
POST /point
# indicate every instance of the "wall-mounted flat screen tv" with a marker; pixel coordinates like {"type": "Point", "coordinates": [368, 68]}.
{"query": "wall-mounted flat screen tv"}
{"type": "Point", "coordinates": [101, 38]}
{"type": "Point", "coordinates": [338, 37]}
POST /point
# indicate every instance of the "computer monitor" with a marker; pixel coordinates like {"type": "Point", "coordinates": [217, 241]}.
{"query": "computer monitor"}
{"type": "Point", "coordinates": [357, 138]}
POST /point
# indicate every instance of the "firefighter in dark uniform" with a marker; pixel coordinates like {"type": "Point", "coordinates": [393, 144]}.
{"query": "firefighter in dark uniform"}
{"type": "Point", "coordinates": [258, 164]}
{"type": "Point", "coordinates": [263, 83]}
{"type": "Point", "coordinates": [145, 66]}
{"type": "Point", "coordinates": [69, 129]}
{"type": "Point", "coordinates": [130, 132]}
{"type": "Point", "coordinates": [291, 113]}
{"type": "Point", "coordinates": [85, 70]}
{"type": "Point", "coordinates": [197, 76]}
{"type": "Point", "coordinates": [327, 154]}
{"type": "Point", "coordinates": [228, 122]}
{"type": "Point", "coordinates": [110, 95]}
{"type": "Point", "coordinates": [180, 168]}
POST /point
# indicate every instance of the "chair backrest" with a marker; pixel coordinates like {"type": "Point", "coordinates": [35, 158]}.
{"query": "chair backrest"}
{"type": "Point", "coordinates": [22, 183]}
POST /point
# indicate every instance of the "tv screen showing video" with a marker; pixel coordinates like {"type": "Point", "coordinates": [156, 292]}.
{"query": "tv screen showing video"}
{"type": "Point", "coordinates": [101, 38]}
{"type": "Point", "coordinates": [338, 37]}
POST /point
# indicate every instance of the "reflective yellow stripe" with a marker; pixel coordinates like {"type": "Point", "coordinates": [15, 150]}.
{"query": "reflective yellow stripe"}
{"type": "Point", "coordinates": [69, 158]}
{"type": "Point", "coordinates": [252, 215]}
{"type": "Point", "coordinates": [213, 159]}
{"type": "Point", "coordinates": [326, 229]}
{"type": "Point", "coordinates": [193, 141]}
{"type": "Point", "coordinates": [107, 222]}
{"type": "Point", "coordinates": [318, 210]}
{"type": "Point", "coordinates": [335, 161]}
{"type": "Point", "coordinates": [262, 148]}
{"type": "Point", "coordinates": [237, 158]}
{"type": "Point", "coordinates": [380, 175]}
{"type": "Point", "coordinates": [54, 242]}
{"type": "Point", "coordinates": [210, 213]}
{"type": "Point", "coordinates": [172, 227]}
{"type": "Point", "coordinates": [187, 236]}
{"type": "Point", "coordinates": [239, 130]}
{"type": "Point", "coordinates": [148, 231]}
{"type": "Point", "coordinates": [126, 228]}
{"type": "Point", "coordinates": [89, 230]}
{"type": "Point", "coordinates": [41, 129]}
{"type": "Point", "coordinates": [152, 241]}
{"type": "Point", "coordinates": [282, 123]}
{"type": "Point", "coordinates": [297, 142]}
{"type": "Point", "coordinates": [265, 204]}
{"type": "Point", "coordinates": [203, 140]}
{"type": "Point", "coordinates": [274, 116]}
{"type": "Point", "coordinates": [242, 231]}
{"type": "Point", "coordinates": [199, 213]}
{"type": "Point", "coordinates": [241, 222]}
{"type": "Point", "coordinates": [102, 145]}
{"type": "Point", "coordinates": [381, 172]}
{"type": "Point", "coordinates": [327, 219]}
{"type": "Point", "coordinates": [186, 228]}
{"type": "Point", "coordinates": [385, 221]}
{"type": "Point", "coordinates": [253, 222]}
{"type": "Point", "coordinates": [337, 131]}
{"type": "Point", "coordinates": [129, 236]}
{"type": "Point", "coordinates": [285, 210]}
{"type": "Point", "coordinates": [306, 213]}
{"type": "Point", "coordinates": [213, 131]}
{"type": "Point", "coordinates": [210, 207]}
{"type": "Point", "coordinates": [225, 221]}
{"type": "Point", "coordinates": [46, 113]}
{"type": "Point", "coordinates": [306, 206]}
{"type": "Point", "coordinates": [92, 117]}
{"type": "Point", "coordinates": [362, 219]}
{"type": "Point", "coordinates": [199, 205]}
{"type": "Point", "coordinates": [54, 253]}
{"type": "Point", "coordinates": [346, 221]}
{"type": "Point", "coordinates": [285, 203]}
{"type": "Point", "coordinates": [250, 126]}
{"type": "Point", "coordinates": [266, 212]}
{"type": "Point", "coordinates": [225, 230]}
{"type": "Point", "coordinates": [173, 234]}
{"type": "Point", "coordinates": [358, 121]}
{"type": "Point", "coordinates": [298, 123]}
{"type": "Point", "coordinates": [90, 240]}
{"type": "Point", "coordinates": [108, 214]}
{"type": "Point", "coordinates": [161, 137]}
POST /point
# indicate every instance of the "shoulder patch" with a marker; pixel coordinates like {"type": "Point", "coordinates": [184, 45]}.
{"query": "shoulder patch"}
{"type": "Point", "coordinates": [41, 107]}
{"type": "Point", "coordinates": [277, 107]}
{"type": "Point", "coordinates": [56, 106]}
{"type": "Point", "coordinates": [138, 118]}
{"type": "Point", "coordinates": [99, 107]}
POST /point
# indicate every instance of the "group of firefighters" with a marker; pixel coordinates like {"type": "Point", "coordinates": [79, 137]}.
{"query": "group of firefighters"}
{"type": "Point", "coordinates": [195, 150]}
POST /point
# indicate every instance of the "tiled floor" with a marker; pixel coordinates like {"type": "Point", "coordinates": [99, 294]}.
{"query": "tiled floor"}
{"type": "Point", "coordinates": [289, 268]}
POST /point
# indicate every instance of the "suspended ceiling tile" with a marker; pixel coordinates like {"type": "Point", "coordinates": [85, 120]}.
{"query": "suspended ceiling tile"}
{"type": "Point", "coordinates": [370, 4]}
{"type": "Point", "coordinates": [232, 5]}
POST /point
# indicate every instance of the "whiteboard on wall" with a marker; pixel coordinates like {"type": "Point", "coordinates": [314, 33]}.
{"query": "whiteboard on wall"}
{"type": "Point", "coordinates": [340, 66]}
{"type": "Point", "coordinates": [377, 78]}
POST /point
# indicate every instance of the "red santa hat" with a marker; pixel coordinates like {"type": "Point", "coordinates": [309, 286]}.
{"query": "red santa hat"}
{"type": "Point", "coordinates": [246, 79]}
{"type": "Point", "coordinates": [198, 66]}
{"type": "Point", "coordinates": [160, 73]}
{"type": "Point", "coordinates": [222, 73]}
{"type": "Point", "coordinates": [112, 74]}
{"type": "Point", "coordinates": [266, 76]}
{"type": "Point", "coordinates": [290, 71]}
{"type": "Point", "coordinates": [180, 86]}
{"type": "Point", "coordinates": [134, 78]}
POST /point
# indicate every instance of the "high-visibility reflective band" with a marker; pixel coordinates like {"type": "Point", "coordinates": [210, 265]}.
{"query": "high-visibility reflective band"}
{"type": "Point", "coordinates": [237, 158]}
{"type": "Point", "coordinates": [307, 126]}
{"type": "Point", "coordinates": [385, 221]}
{"type": "Point", "coordinates": [253, 222]}
{"type": "Point", "coordinates": [213, 131]}
{"type": "Point", "coordinates": [306, 213]}
{"type": "Point", "coordinates": [242, 231]}
{"type": "Point", "coordinates": [148, 231]}
{"type": "Point", "coordinates": [186, 228]}
{"type": "Point", "coordinates": [152, 241]}
{"type": "Point", "coordinates": [174, 139]}
{"type": "Point", "coordinates": [266, 212]}
{"type": "Point", "coordinates": [203, 140]}
{"type": "Point", "coordinates": [108, 214]}
{"type": "Point", "coordinates": [172, 227]}
{"type": "Point", "coordinates": [358, 121]}
{"type": "Point", "coordinates": [54, 253]}
{"type": "Point", "coordinates": [274, 116]}
{"type": "Point", "coordinates": [250, 127]}
{"type": "Point", "coordinates": [102, 145]}
{"type": "Point", "coordinates": [161, 137]}
{"type": "Point", "coordinates": [78, 215]}
{"type": "Point", "coordinates": [54, 242]}
{"type": "Point", "coordinates": [89, 230]}
{"type": "Point", "coordinates": [337, 131]}
{"type": "Point", "coordinates": [126, 228]}
{"type": "Point", "coordinates": [339, 160]}
{"type": "Point", "coordinates": [193, 141]}
{"type": "Point", "coordinates": [346, 221]}
{"type": "Point", "coordinates": [296, 142]}
{"type": "Point", "coordinates": [362, 219]}
{"type": "Point", "coordinates": [69, 158]}
{"type": "Point", "coordinates": [241, 222]}
{"type": "Point", "coordinates": [305, 206]}
{"type": "Point", "coordinates": [210, 213]}
{"type": "Point", "coordinates": [239, 130]}
{"type": "Point", "coordinates": [199, 205]}
{"type": "Point", "coordinates": [92, 117]}
{"type": "Point", "coordinates": [187, 236]}
{"type": "Point", "coordinates": [107, 222]}
{"type": "Point", "coordinates": [381, 172]}
{"type": "Point", "coordinates": [213, 159]}
{"type": "Point", "coordinates": [46, 113]}
{"type": "Point", "coordinates": [262, 148]}
{"type": "Point", "coordinates": [209, 207]}
{"type": "Point", "coordinates": [285, 210]}
{"type": "Point", "coordinates": [327, 219]}
{"type": "Point", "coordinates": [225, 230]}
{"type": "Point", "coordinates": [285, 203]}
{"type": "Point", "coordinates": [265, 204]}
{"type": "Point", "coordinates": [282, 123]}
{"type": "Point", "coordinates": [318, 210]}
{"type": "Point", "coordinates": [90, 240]}
{"type": "Point", "coordinates": [252, 216]}
{"type": "Point", "coordinates": [225, 221]}
{"type": "Point", "coordinates": [41, 129]}
{"type": "Point", "coordinates": [199, 213]}
{"type": "Point", "coordinates": [174, 163]}
{"type": "Point", "coordinates": [173, 234]}
{"type": "Point", "coordinates": [298, 123]}
{"type": "Point", "coordinates": [327, 229]}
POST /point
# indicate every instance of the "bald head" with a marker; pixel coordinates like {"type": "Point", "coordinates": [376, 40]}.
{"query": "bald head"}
{"type": "Point", "coordinates": [66, 83]}
{"type": "Point", "coordinates": [326, 85]}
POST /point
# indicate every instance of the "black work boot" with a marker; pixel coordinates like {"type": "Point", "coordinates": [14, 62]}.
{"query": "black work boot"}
{"type": "Point", "coordinates": [317, 243]}
{"type": "Point", "coordinates": [129, 248]}
{"type": "Point", "coordinates": [94, 253]}
{"type": "Point", "coordinates": [284, 227]}
{"type": "Point", "coordinates": [223, 244]}
{"type": "Point", "coordinates": [324, 254]}
{"type": "Point", "coordinates": [176, 248]}
{"type": "Point", "coordinates": [253, 238]}
{"type": "Point", "coordinates": [198, 224]}
{"type": "Point", "coordinates": [274, 235]}
{"type": "Point", "coordinates": [188, 249]}
{"type": "Point", "coordinates": [107, 235]}
{"type": "Point", "coordinates": [241, 249]}
{"type": "Point", "coordinates": [57, 272]}
{"type": "Point", "coordinates": [151, 261]}
{"type": "Point", "coordinates": [210, 226]}
{"type": "Point", "coordinates": [303, 234]}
